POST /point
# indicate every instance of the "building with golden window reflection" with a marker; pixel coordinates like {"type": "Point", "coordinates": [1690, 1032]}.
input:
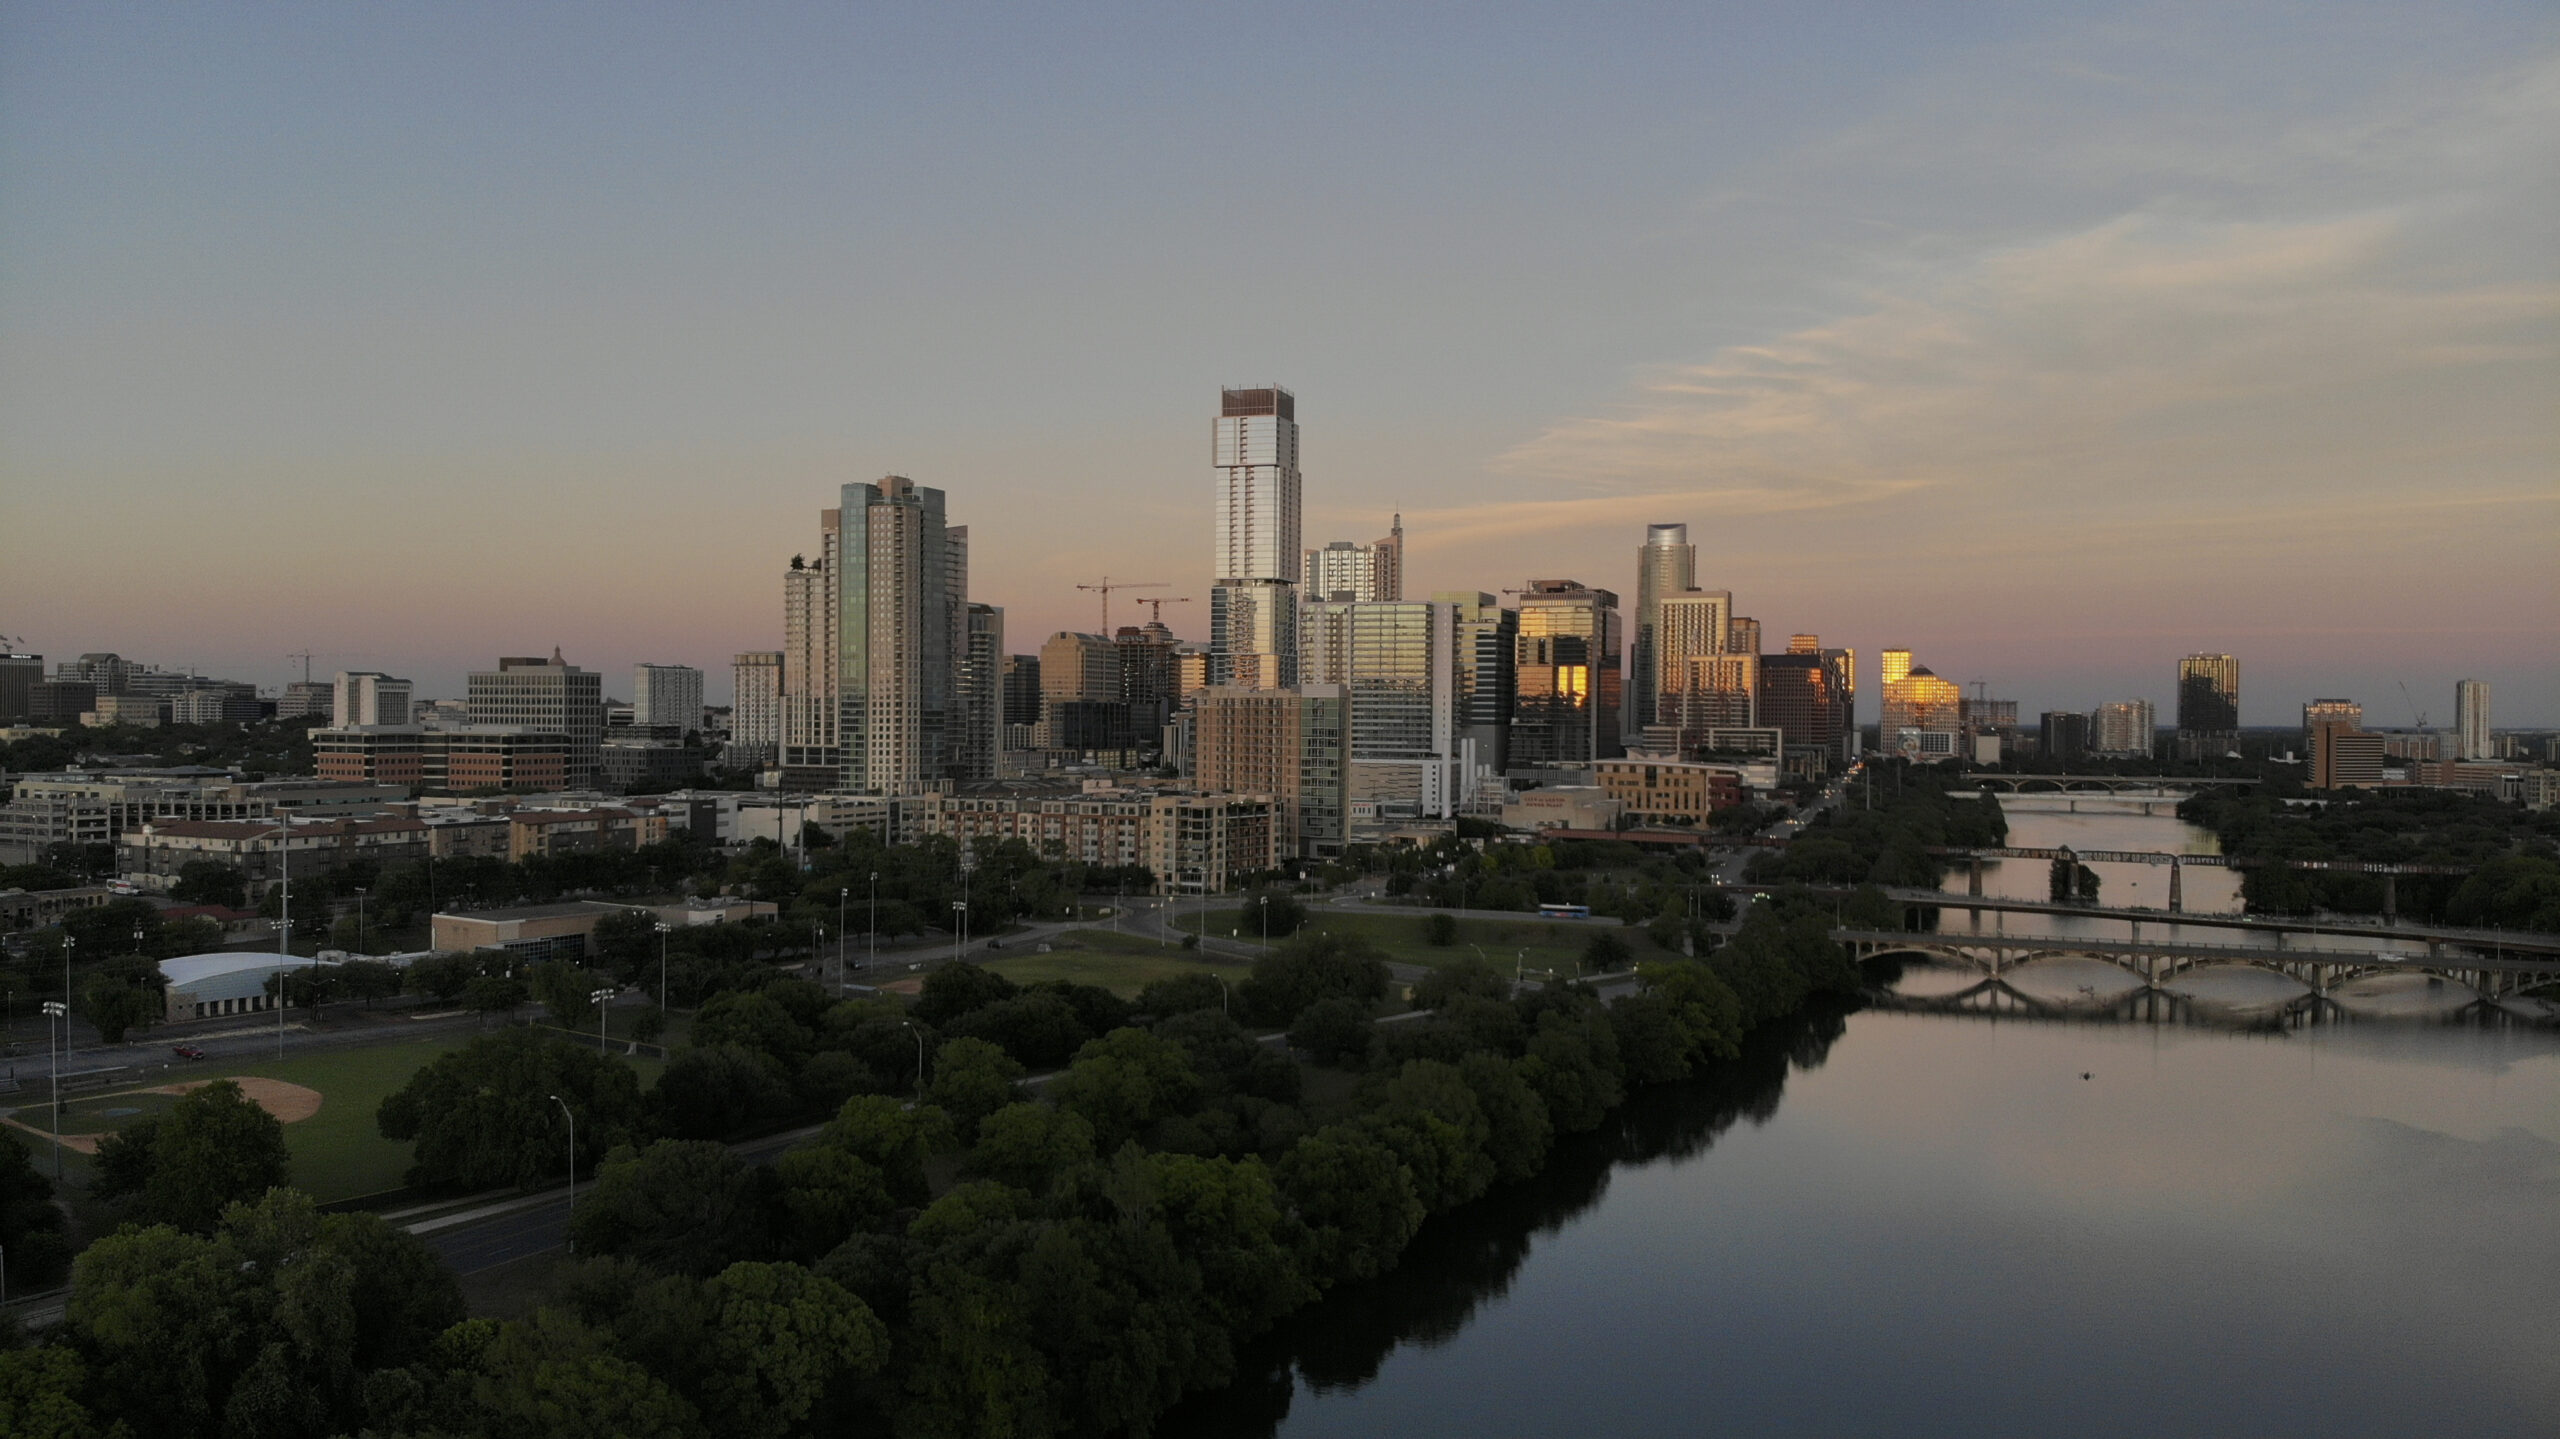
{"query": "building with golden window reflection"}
{"type": "Point", "coordinates": [1568, 690]}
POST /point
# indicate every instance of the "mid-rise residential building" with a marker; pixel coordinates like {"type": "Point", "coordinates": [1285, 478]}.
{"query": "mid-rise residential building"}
{"type": "Point", "coordinates": [368, 697]}
{"type": "Point", "coordinates": [1208, 843]}
{"type": "Point", "coordinates": [1742, 636]}
{"type": "Point", "coordinates": [1568, 696]}
{"type": "Point", "coordinates": [666, 698]}
{"type": "Point", "coordinates": [2343, 755]}
{"type": "Point", "coordinates": [510, 759]}
{"type": "Point", "coordinates": [307, 699]}
{"type": "Point", "coordinates": [1396, 660]}
{"type": "Point", "coordinates": [529, 695]}
{"type": "Point", "coordinates": [2124, 728]}
{"type": "Point", "coordinates": [1253, 604]}
{"type": "Point", "coordinates": [755, 715]}
{"type": "Point", "coordinates": [1366, 573]}
{"type": "Point", "coordinates": [215, 702]}
{"type": "Point", "coordinates": [1655, 790]}
{"type": "Point", "coordinates": [142, 711]}
{"type": "Point", "coordinates": [2062, 735]}
{"type": "Point", "coordinates": [1091, 824]}
{"type": "Point", "coordinates": [2471, 719]}
{"type": "Point", "coordinates": [1291, 745]}
{"type": "Point", "coordinates": [264, 851]}
{"type": "Point", "coordinates": [1080, 694]}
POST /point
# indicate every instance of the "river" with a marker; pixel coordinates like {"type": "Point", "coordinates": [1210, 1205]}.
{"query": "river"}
{"type": "Point", "coordinates": [1912, 1223]}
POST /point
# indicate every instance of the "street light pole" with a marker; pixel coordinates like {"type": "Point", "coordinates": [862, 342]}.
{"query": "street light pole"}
{"type": "Point", "coordinates": [843, 893]}
{"type": "Point", "coordinates": [664, 929]}
{"type": "Point", "coordinates": [872, 961]}
{"type": "Point", "coordinates": [600, 999]}
{"type": "Point", "coordinates": [56, 1009]}
{"type": "Point", "coordinates": [573, 1165]}
{"type": "Point", "coordinates": [919, 1034]}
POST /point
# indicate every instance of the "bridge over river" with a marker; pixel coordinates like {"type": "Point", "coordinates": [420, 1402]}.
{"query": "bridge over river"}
{"type": "Point", "coordinates": [2156, 961]}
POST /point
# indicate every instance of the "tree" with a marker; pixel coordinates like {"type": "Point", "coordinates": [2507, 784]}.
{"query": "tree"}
{"type": "Point", "coordinates": [1468, 976]}
{"type": "Point", "coordinates": [1028, 1145]}
{"type": "Point", "coordinates": [680, 1206]}
{"type": "Point", "coordinates": [550, 1377]}
{"type": "Point", "coordinates": [1335, 1031]}
{"type": "Point", "coordinates": [1040, 1029]}
{"type": "Point", "coordinates": [718, 1092]}
{"type": "Point", "coordinates": [828, 1195]}
{"type": "Point", "coordinates": [1182, 994]}
{"type": "Point", "coordinates": [1273, 912]}
{"type": "Point", "coordinates": [443, 976]}
{"type": "Point", "coordinates": [1313, 967]}
{"type": "Point", "coordinates": [952, 990]}
{"type": "Point", "coordinates": [165, 1321]}
{"type": "Point", "coordinates": [625, 943]}
{"type": "Point", "coordinates": [566, 990]}
{"type": "Point", "coordinates": [370, 980]}
{"type": "Point", "coordinates": [779, 1335]}
{"type": "Point", "coordinates": [215, 1147]}
{"type": "Point", "coordinates": [971, 1080]}
{"type": "Point", "coordinates": [754, 1021]}
{"type": "Point", "coordinates": [31, 1225]}
{"type": "Point", "coordinates": [208, 881]}
{"type": "Point", "coordinates": [1604, 952]}
{"type": "Point", "coordinates": [495, 994]}
{"type": "Point", "coordinates": [1125, 1081]}
{"type": "Point", "coordinates": [892, 1138]}
{"type": "Point", "coordinates": [40, 1394]}
{"type": "Point", "coordinates": [127, 992]}
{"type": "Point", "coordinates": [1518, 1132]}
{"type": "Point", "coordinates": [1440, 930]}
{"type": "Point", "coordinates": [483, 1115]}
{"type": "Point", "coordinates": [1356, 1199]}
{"type": "Point", "coordinates": [1225, 1216]}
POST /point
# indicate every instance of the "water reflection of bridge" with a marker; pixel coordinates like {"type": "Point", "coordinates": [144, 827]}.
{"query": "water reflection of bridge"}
{"type": "Point", "coordinates": [2157, 962]}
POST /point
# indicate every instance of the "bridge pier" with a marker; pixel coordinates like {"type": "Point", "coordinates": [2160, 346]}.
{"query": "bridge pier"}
{"type": "Point", "coordinates": [2177, 902]}
{"type": "Point", "coordinates": [2391, 899]}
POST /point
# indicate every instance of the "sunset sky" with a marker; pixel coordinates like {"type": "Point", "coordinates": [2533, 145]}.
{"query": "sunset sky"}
{"type": "Point", "coordinates": [2049, 342]}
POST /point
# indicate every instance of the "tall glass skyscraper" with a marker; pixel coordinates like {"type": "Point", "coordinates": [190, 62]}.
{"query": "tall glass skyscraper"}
{"type": "Point", "coordinates": [1667, 565]}
{"type": "Point", "coordinates": [1253, 606]}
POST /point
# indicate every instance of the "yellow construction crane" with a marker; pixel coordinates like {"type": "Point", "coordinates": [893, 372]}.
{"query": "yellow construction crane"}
{"type": "Point", "coordinates": [1109, 584]}
{"type": "Point", "coordinates": [1156, 615]}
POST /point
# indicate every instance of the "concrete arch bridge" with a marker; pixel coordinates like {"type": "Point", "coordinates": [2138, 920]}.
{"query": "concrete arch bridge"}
{"type": "Point", "coordinates": [2156, 963]}
{"type": "Point", "coordinates": [2147, 784]}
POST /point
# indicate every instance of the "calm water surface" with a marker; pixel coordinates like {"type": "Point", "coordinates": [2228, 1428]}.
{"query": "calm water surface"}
{"type": "Point", "coordinates": [1904, 1223]}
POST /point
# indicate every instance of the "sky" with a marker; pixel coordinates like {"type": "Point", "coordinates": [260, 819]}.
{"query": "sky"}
{"type": "Point", "coordinates": [2049, 342]}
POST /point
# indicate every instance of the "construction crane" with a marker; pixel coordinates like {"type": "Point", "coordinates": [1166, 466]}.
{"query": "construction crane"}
{"type": "Point", "coordinates": [1109, 584]}
{"type": "Point", "coordinates": [307, 656]}
{"type": "Point", "coordinates": [2413, 707]}
{"type": "Point", "coordinates": [1156, 615]}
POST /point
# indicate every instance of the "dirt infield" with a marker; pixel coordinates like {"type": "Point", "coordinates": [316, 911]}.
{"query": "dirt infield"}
{"type": "Point", "coordinates": [290, 1103]}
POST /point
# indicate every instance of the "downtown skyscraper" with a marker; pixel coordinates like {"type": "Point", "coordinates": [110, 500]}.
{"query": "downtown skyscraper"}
{"type": "Point", "coordinates": [1253, 604]}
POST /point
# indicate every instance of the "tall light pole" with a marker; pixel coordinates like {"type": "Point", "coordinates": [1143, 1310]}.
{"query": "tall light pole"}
{"type": "Point", "coordinates": [843, 893]}
{"type": "Point", "coordinates": [664, 929]}
{"type": "Point", "coordinates": [600, 998]}
{"type": "Point", "coordinates": [359, 914]}
{"type": "Point", "coordinates": [55, 1009]}
{"type": "Point", "coordinates": [573, 1165]}
{"type": "Point", "coordinates": [1264, 904]}
{"type": "Point", "coordinates": [872, 961]}
{"type": "Point", "coordinates": [919, 1034]}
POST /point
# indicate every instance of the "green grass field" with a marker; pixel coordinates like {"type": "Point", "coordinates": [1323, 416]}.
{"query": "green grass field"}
{"type": "Point", "coordinates": [1121, 963]}
{"type": "Point", "coordinates": [1527, 943]}
{"type": "Point", "coordinates": [338, 1153]}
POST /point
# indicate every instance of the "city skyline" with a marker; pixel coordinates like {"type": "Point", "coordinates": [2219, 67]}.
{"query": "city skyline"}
{"type": "Point", "coordinates": [1924, 357]}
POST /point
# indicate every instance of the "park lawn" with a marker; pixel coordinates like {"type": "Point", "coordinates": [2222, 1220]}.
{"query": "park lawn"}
{"type": "Point", "coordinates": [1121, 963]}
{"type": "Point", "coordinates": [1527, 943]}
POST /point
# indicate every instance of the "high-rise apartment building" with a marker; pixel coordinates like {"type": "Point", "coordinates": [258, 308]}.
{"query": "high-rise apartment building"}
{"type": "Point", "coordinates": [667, 697]}
{"type": "Point", "coordinates": [1368, 573]}
{"type": "Point", "coordinates": [1150, 677]}
{"type": "Point", "coordinates": [302, 699]}
{"type": "Point", "coordinates": [1021, 690]}
{"type": "Point", "coordinates": [535, 696]}
{"type": "Point", "coordinates": [1742, 636]}
{"type": "Point", "coordinates": [1666, 565]}
{"type": "Point", "coordinates": [901, 617]}
{"type": "Point", "coordinates": [1288, 744]}
{"type": "Point", "coordinates": [2208, 704]}
{"type": "Point", "coordinates": [2471, 720]}
{"type": "Point", "coordinates": [1253, 604]}
{"type": "Point", "coordinates": [2342, 752]}
{"type": "Point", "coordinates": [982, 699]}
{"type": "Point", "coordinates": [1396, 660]}
{"type": "Point", "coordinates": [1568, 698]}
{"type": "Point", "coordinates": [366, 697]}
{"type": "Point", "coordinates": [1892, 665]}
{"type": "Point", "coordinates": [2125, 728]}
{"type": "Point", "coordinates": [755, 715]}
{"type": "Point", "coordinates": [809, 655]}
{"type": "Point", "coordinates": [1488, 639]}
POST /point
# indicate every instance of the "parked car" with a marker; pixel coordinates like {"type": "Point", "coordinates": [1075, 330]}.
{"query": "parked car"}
{"type": "Point", "coordinates": [186, 1051]}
